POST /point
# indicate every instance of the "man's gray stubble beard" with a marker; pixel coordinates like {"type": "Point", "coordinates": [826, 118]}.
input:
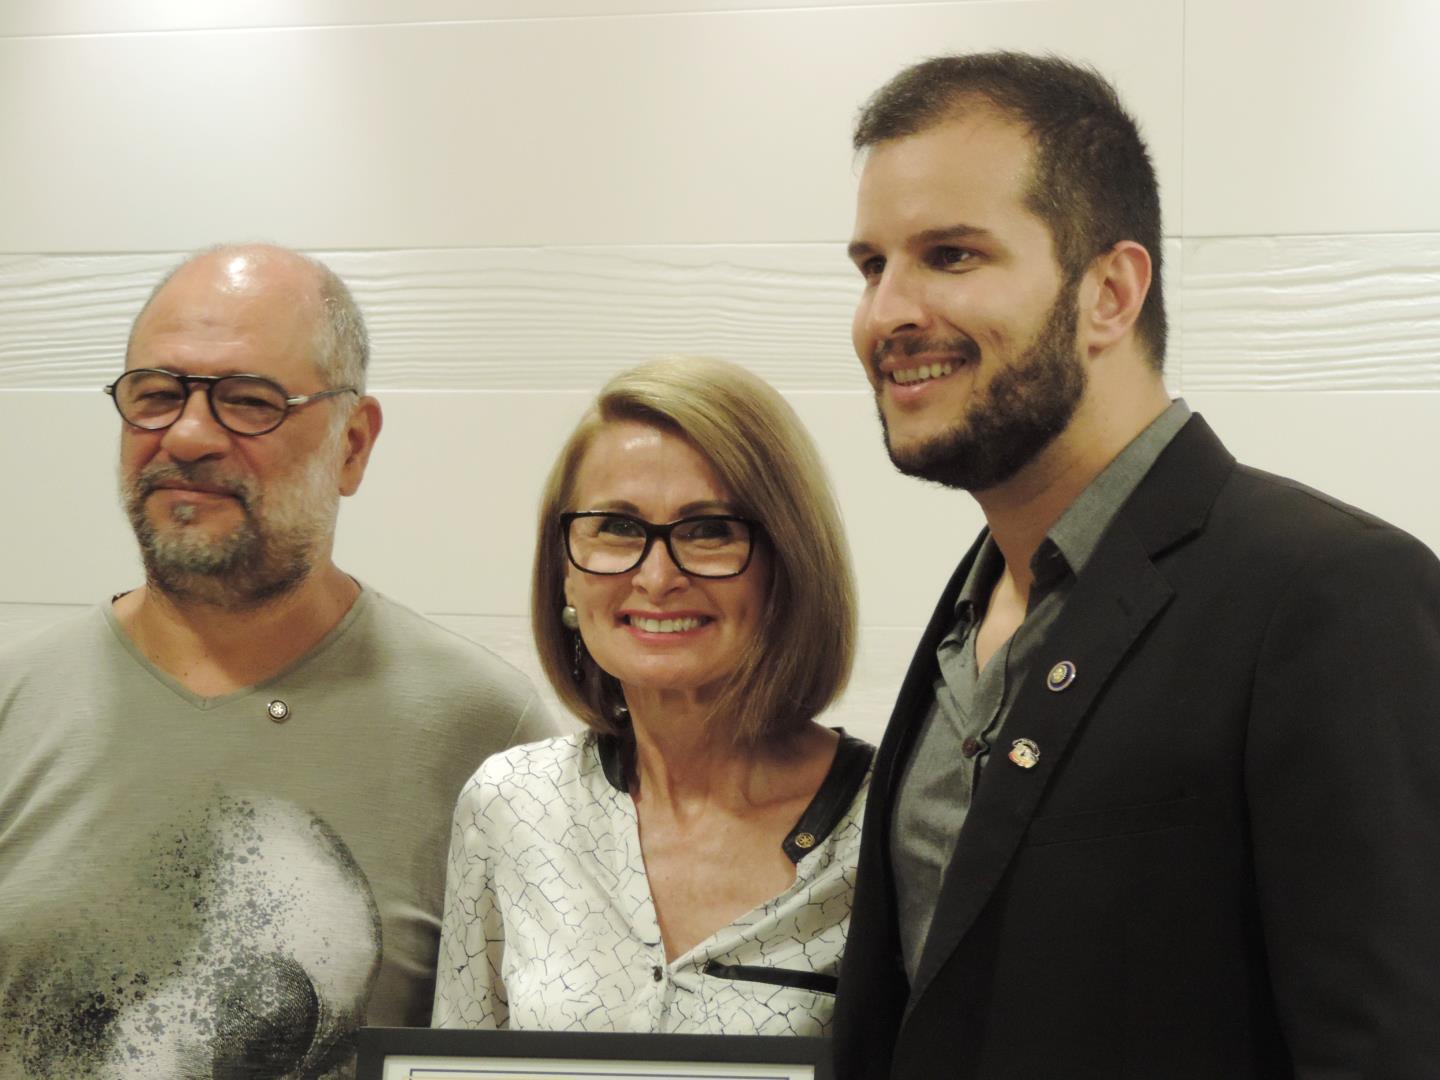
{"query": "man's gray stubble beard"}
{"type": "Point", "coordinates": [267, 555]}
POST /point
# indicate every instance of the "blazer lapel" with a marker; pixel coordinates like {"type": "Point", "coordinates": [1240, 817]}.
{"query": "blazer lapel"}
{"type": "Point", "coordinates": [873, 983]}
{"type": "Point", "coordinates": [1116, 597]}
{"type": "Point", "coordinates": [918, 688]}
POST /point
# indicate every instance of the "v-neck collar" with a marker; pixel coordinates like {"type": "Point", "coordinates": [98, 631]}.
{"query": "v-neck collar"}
{"type": "Point", "coordinates": [206, 704]}
{"type": "Point", "coordinates": [834, 797]}
{"type": "Point", "coordinates": [831, 800]}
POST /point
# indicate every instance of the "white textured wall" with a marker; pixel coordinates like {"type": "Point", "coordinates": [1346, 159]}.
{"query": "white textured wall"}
{"type": "Point", "coordinates": [530, 194]}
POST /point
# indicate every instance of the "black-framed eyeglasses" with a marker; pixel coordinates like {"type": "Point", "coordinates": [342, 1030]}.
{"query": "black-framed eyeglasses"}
{"type": "Point", "coordinates": [153, 399]}
{"type": "Point", "coordinates": [707, 546]}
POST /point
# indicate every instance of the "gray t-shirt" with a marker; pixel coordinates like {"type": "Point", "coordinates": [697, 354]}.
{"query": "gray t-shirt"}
{"type": "Point", "coordinates": [198, 887]}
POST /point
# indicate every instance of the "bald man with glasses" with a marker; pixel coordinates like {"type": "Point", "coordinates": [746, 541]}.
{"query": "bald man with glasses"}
{"type": "Point", "coordinates": [225, 794]}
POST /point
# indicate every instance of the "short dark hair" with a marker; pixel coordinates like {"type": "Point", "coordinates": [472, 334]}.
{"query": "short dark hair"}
{"type": "Point", "coordinates": [800, 658]}
{"type": "Point", "coordinates": [1092, 182]}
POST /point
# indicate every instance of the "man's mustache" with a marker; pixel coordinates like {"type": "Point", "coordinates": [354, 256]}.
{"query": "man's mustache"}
{"type": "Point", "coordinates": [202, 474]}
{"type": "Point", "coordinates": [962, 346]}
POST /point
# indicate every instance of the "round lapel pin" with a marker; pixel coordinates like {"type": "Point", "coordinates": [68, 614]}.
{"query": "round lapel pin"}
{"type": "Point", "coordinates": [278, 710]}
{"type": "Point", "coordinates": [1061, 676]}
{"type": "Point", "coordinates": [1025, 753]}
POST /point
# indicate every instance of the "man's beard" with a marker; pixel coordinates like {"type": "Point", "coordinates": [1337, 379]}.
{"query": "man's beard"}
{"type": "Point", "coordinates": [267, 555]}
{"type": "Point", "coordinates": [1009, 421]}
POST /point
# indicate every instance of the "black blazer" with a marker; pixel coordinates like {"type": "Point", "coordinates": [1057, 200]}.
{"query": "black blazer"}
{"type": "Point", "coordinates": [1225, 863]}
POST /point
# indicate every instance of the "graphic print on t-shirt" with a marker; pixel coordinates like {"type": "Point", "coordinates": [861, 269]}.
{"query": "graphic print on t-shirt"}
{"type": "Point", "coordinates": [240, 941]}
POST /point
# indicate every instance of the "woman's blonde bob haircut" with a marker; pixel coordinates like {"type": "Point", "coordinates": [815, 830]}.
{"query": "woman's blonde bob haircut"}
{"type": "Point", "coordinates": [801, 656]}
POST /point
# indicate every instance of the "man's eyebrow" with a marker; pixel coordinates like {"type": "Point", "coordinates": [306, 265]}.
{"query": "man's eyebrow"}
{"type": "Point", "coordinates": [950, 232]}
{"type": "Point", "coordinates": [858, 249]}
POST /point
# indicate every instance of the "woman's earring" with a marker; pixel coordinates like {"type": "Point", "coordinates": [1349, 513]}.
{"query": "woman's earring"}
{"type": "Point", "coordinates": [570, 619]}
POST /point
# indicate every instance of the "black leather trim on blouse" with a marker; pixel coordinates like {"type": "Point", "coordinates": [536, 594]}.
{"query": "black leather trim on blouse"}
{"type": "Point", "coordinates": [836, 793]}
{"type": "Point", "coordinates": [815, 981]}
{"type": "Point", "coordinates": [613, 752]}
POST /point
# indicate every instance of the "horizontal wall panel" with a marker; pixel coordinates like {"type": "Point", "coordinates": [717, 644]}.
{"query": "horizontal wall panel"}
{"type": "Point", "coordinates": [493, 319]}
{"type": "Point", "coordinates": [470, 550]}
{"type": "Point", "coordinates": [64, 319]}
{"type": "Point", "coordinates": [497, 318]}
{"type": "Point", "coordinates": [1311, 312]}
{"type": "Point", "coordinates": [446, 518]}
{"type": "Point", "coordinates": [48, 17]}
{"type": "Point", "coordinates": [1311, 116]}
{"type": "Point", "coordinates": [729, 127]}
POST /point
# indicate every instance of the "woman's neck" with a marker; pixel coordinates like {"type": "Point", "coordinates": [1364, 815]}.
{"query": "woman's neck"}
{"type": "Point", "coordinates": [688, 761]}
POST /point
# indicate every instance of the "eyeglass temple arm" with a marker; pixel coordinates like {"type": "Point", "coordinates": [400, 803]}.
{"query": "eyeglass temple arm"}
{"type": "Point", "coordinates": [303, 398]}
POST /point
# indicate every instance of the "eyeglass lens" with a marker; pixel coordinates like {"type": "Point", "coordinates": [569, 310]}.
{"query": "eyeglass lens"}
{"type": "Point", "coordinates": [704, 546]}
{"type": "Point", "coordinates": [243, 403]}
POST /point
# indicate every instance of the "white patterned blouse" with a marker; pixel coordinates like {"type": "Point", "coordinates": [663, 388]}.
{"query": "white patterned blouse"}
{"type": "Point", "coordinates": [549, 922]}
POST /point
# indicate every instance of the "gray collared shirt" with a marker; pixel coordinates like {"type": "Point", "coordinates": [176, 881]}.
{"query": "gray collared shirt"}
{"type": "Point", "coordinates": [970, 705]}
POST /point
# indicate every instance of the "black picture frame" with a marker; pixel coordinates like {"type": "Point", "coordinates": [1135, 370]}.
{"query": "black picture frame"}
{"type": "Point", "coordinates": [595, 1054]}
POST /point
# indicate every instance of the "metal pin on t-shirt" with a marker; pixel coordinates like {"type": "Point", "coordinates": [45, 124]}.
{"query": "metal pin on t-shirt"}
{"type": "Point", "coordinates": [278, 711]}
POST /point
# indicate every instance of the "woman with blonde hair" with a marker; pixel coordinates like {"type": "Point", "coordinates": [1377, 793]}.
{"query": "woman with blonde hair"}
{"type": "Point", "coordinates": [686, 863]}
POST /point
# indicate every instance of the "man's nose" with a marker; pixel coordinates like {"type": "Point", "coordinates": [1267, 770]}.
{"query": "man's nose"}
{"type": "Point", "coordinates": [196, 433]}
{"type": "Point", "coordinates": [897, 304]}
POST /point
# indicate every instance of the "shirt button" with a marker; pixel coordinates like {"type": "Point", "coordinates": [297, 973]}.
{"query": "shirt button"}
{"type": "Point", "coordinates": [658, 972]}
{"type": "Point", "coordinates": [970, 747]}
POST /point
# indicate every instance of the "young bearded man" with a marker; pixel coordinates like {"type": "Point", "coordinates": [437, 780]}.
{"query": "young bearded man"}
{"type": "Point", "coordinates": [1159, 794]}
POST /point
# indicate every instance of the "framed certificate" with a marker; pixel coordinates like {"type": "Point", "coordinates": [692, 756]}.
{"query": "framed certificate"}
{"type": "Point", "coordinates": [447, 1054]}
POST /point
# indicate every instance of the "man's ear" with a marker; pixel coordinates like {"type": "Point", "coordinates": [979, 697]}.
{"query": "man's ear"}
{"type": "Point", "coordinates": [361, 431]}
{"type": "Point", "coordinates": [1111, 296]}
